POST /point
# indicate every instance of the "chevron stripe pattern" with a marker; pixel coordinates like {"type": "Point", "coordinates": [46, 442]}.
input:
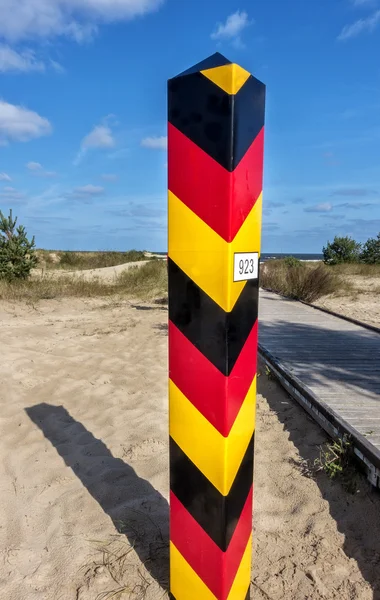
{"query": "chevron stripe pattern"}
{"type": "Point", "coordinates": [215, 162]}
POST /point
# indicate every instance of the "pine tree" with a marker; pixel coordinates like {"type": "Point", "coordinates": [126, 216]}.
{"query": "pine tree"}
{"type": "Point", "coordinates": [371, 251]}
{"type": "Point", "coordinates": [17, 253]}
{"type": "Point", "coordinates": [341, 250]}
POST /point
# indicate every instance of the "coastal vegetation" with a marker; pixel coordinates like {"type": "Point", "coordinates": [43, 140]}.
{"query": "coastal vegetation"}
{"type": "Point", "coordinates": [146, 282]}
{"type": "Point", "coordinates": [75, 260]}
{"type": "Point", "coordinates": [347, 250]}
{"type": "Point", "coordinates": [298, 280]}
{"type": "Point", "coordinates": [341, 250]}
{"type": "Point", "coordinates": [17, 252]}
{"type": "Point", "coordinates": [343, 260]}
{"type": "Point", "coordinates": [31, 275]}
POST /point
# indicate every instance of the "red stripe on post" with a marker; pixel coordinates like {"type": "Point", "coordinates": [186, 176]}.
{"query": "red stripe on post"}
{"type": "Point", "coordinates": [205, 386]}
{"type": "Point", "coordinates": [217, 569]}
{"type": "Point", "coordinates": [207, 188]}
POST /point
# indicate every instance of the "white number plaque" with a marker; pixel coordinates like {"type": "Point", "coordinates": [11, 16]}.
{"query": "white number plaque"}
{"type": "Point", "coordinates": [246, 266]}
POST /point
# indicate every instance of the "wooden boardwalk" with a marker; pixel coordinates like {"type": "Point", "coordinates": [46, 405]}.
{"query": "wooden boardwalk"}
{"type": "Point", "coordinates": [337, 362]}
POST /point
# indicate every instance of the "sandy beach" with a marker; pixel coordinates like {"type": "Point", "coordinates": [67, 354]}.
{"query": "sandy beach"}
{"type": "Point", "coordinates": [84, 468]}
{"type": "Point", "coordinates": [362, 304]}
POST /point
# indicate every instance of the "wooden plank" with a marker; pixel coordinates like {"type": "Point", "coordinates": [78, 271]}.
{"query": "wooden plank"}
{"type": "Point", "coordinates": [339, 361]}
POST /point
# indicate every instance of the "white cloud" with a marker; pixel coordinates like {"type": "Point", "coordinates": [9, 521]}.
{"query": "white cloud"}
{"type": "Point", "coordinates": [5, 177]}
{"type": "Point", "coordinates": [322, 208]}
{"type": "Point", "coordinates": [11, 60]}
{"type": "Point", "coordinates": [87, 191]}
{"type": "Point", "coordinates": [121, 153]}
{"type": "Point", "coordinates": [57, 66]}
{"type": "Point", "coordinates": [10, 193]}
{"type": "Point", "coordinates": [19, 124]}
{"type": "Point", "coordinates": [366, 25]}
{"type": "Point", "coordinates": [37, 169]}
{"type": "Point", "coordinates": [34, 166]}
{"type": "Point", "coordinates": [232, 28]}
{"type": "Point", "coordinates": [109, 177]}
{"type": "Point", "coordinates": [78, 19]}
{"type": "Point", "coordinates": [358, 192]}
{"type": "Point", "coordinates": [48, 197]}
{"type": "Point", "coordinates": [155, 143]}
{"type": "Point", "coordinates": [24, 61]}
{"type": "Point", "coordinates": [100, 137]}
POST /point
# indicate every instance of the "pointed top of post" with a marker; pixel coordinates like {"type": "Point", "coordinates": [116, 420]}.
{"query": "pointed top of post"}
{"type": "Point", "coordinates": [229, 76]}
{"type": "Point", "coordinates": [213, 61]}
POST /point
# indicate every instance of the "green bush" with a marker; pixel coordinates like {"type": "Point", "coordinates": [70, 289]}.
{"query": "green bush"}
{"type": "Point", "coordinates": [341, 250]}
{"type": "Point", "coordinates": [304, 282]}
{"type": "Point", "coordinates": [17, 253]}
{"type": "Point", "coordinates": [292, 261]}
{"type": "Point", "coordinates": [69, 259]}
{"type": "Point", "coordinates": [371, 251]}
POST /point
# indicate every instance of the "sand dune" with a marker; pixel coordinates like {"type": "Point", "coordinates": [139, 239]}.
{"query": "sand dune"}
{"type": "Point", "coordinates": [84, 468]}
{"type": "Point", "coordinates": [105, 274]}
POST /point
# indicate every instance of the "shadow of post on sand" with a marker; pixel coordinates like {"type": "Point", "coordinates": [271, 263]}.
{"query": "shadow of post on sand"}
{"type": "Point", "coordinates": [136, 508]}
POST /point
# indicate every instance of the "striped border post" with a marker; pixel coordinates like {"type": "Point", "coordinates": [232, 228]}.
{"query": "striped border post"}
{"type": "Point", "coordinates": [215, 147]}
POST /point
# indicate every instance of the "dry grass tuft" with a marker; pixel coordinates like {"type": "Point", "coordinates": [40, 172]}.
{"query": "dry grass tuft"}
{"type": "Point", "coordinates": [125, 579]}
{"type": "Point", "coordinates": [357, 269]}
{"type": "Point", "coordinates": [146, 283]}
{"type": "Point", "coordinates": [301, 282]}
{"type": "Point", "coordinates": [86, 260]}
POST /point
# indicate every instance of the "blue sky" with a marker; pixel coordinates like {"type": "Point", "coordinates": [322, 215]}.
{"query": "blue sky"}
{"type": "Point", "coordinates": [83, 114]}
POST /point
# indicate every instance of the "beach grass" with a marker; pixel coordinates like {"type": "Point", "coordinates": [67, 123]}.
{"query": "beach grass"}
{"type": "Point", "coordinates": [362, 269]}
{"type": "Point", "coordinates": [145, 282]}
{"type": "Point", "coordinates": [303, 281]}
{"type": "Point", "coordinates": [72, 260]}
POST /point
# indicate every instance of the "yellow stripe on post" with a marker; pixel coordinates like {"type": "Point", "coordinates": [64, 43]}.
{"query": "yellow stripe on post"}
{"type": "Point", "coordinates": [184, 582]}
{"type": "Point", "coordinates": [206, 257]}
{"type": "Point", "coordinates": [186, 585]}
{"type": "Point", "coordinates": [218, 457]}
{"type": "Point", "coordinates": [229, 78]}
{"type": "Point", "coordinates": [243, 576]}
